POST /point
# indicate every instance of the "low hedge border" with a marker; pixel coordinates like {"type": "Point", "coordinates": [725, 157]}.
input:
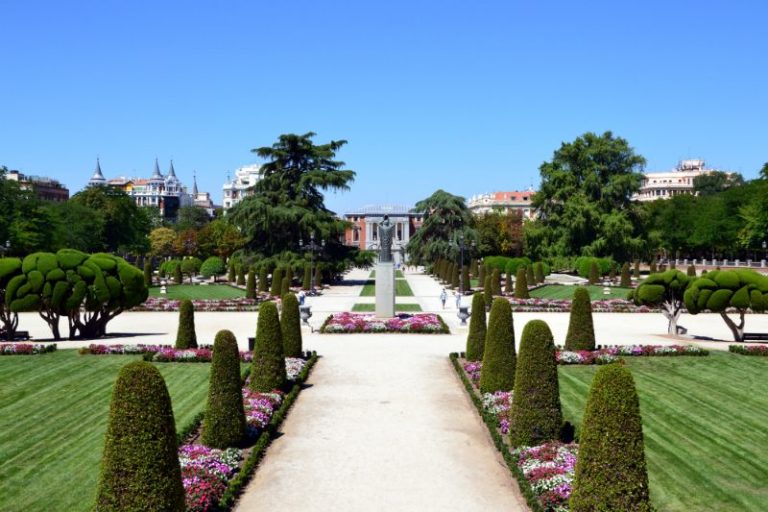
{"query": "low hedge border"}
{"type": "Point", "coordinates": [493, 428]}
{"type": "Point", "coordinates": [749, 350]}
{"type": "Point", "coordinates": [26, 349]}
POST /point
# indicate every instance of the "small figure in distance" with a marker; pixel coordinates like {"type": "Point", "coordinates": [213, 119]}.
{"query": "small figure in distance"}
{"type": "Point", "coordinates": [302, 296]}
{"type": "Point", "coordinates": [457, 296]}
{"type": "Point", "coordinates": [443, 297]}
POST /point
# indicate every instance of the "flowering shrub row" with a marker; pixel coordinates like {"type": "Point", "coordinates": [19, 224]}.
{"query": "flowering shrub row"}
{"type": "Point", "coordinates": [423, 323]}
{"type": "Point", "coordinates": [499, 403]}
{"type": "Point", "coordinates": [749, 350]}
{"type": "Point", "coordinates": [162, 304]}
{"type": "Point", "coordinates": [613, 354]}
{"type": "Point", "coordinates": [549, 469]}
{"type": "Point", "coordinates": [564, 306]}
{"type": "Point", "coordinates": [25, 349]}
{"type": "Point", "coordinates": [160, 353]}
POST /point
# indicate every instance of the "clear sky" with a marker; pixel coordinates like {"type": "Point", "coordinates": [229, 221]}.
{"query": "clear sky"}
{"type": "Point", "coordinates": [467, 96]}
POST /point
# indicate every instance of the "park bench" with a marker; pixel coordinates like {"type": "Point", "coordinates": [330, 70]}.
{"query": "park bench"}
{"type": "Point", "coordinates": [18, 335]}
{"type": "Point", "coordinates": [755, 336]}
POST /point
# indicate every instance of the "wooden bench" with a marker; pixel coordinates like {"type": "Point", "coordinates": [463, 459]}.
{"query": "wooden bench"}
{"type": "Point", "coordinates": [755, 336]}
{"type": "Point", "coordinates": [18, 335]}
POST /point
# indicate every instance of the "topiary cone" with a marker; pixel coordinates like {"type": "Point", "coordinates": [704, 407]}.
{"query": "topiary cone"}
{"type": "Point", "coordinates": [455, 277]}
{"type": "Point", "coordinates": [529, 275]}
{"type": "Point", "coordinates": [241, 275]}
{"type": "Point", "coordinates": [224, 424]}
{"type": "Point", "coordinates": [291, 326]}
{"type": "Point", "coordinates": [140, 464]}
{"type": "Point", "coordinates": [496, 282]}
{"type": "Point", "coordinates": [306, 282]}
{"type": "Point", "coordinates": [250, 287]}
{"type": "Point", "coordinates": [611, 472]}
{"type": "Point", "coordinates": [594, 273]}
{"type": "Point", "coordinates": [147, 274]}
{"type": "Point", "coordinates": [268, 366]}
{"type": "Point", "coordinates": [488, 292]}
{"type": "Point", "coordinates": [185, 335]}
{"type": "Point", "coordinates": [508, 283]}
{"type": "Point", "coordinates": [263, 279]}
{"type": "Point", "coordinates": [498, 372]}
{"type": "Point", "coordinates": [177, 275]}
{"type": "Point", "coordinates": [691, 271]}
{"type": "Point", "coordinates": [285, 287]}
{"type": "Point", "coordinates": [521, 284]}
{"type": "Point", "coordinates": [626, 280]}
{"type": "Point", "coordinates": [535, 416]}
{"type": "Point", "coordinates": [581, 330]}
{"type": "Point", "coordinates": [231, 274]}
{"type": "Point", "coordinates": [477, 329]}
{"type": "Point", "coordinates": [465, 283]}
{"type": "Point", "coordinates": [277, 282]}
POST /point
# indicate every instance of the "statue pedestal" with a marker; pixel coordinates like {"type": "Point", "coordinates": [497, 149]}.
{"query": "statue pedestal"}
{"type": "Point", "coordinates": [385, 289]}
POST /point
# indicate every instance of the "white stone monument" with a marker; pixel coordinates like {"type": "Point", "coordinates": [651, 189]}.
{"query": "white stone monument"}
{"type": "Point", "coordinates": [385, 272]}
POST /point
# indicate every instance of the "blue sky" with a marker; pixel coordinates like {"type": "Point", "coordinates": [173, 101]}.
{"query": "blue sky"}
{"type": "Point", "coordinates": [470, 97]}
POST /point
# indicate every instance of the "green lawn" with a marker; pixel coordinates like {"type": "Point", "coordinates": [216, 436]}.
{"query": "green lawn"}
{"type": "Point", "coordinates": [367, 308]}
{"type": "Point", "coordinates": [558, 291]}
{"type": "Point", "coordinates": [402, 289]}
{"type": "Point", "coordinates": [398, 274]}
{"type": "Point", "coordinates": [704, 421]}
{"type": "Point", "coordinates": [198, 292]}
{"type": "Point", "coordinates": [54, 415]}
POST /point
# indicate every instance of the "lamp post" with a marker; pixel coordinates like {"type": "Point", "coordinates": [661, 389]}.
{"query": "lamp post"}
{"type": "Point", "coordinates": [312, 247]}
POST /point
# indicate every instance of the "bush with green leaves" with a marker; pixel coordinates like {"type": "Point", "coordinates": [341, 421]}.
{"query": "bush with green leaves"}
{"type": "Point", "coordinates": [288, 274]}
{"type": "Point", "coordinates": [498, 371]}
{"type": "Point", "coordinates": [147, 274]}
{"type": "Point", "coordinates": [611, 472]}
{"type": "Point", "coordinates": [224, 424]}
{"type": "Point", "coordinates": [721, 291]}
{"type": "Point", "coordinates": [290, 324]}
{"type": "Point", "coordinates": [9, 269]}
{"type": "Point", "coordinates": [664, 290]}
{"type": "Point", "coordinates": [481, 274]}
{"type": "Point", "coordinates": [263, 279]}
{"type": "Point", "coordinates": [140, 463]}
{"type": "Point", "coordinates": [285, 288]}
{"type": "Point", "coordinates": [535, 416]}
{"type": "Point", "coordinates": [277, 282]}
{"type": "Point", "coordinates": [581, 330]}
{"type": "Point", "coordinates": [168, 268]}
{"type": "Point", "coordinates": [529, 276]}
{"type": "Point", "coordinates": [268, 366]}
{"type": "Point", "coordinates": [477, 329]}
{"type": "Point", "coordinates": [185, 334]}
{"type": "Point", "coordinates": [583, 265]}
{"type": "Point", "coordinates": [538, 272]}
{"type": "Point", "coordinates": [626, 279]}
{"type": "Point", "coordinates": [521, 284]}
{"type": "Point", "coordinates": [191, 266]}
{"type": "Point", "coordinates": [250, 286]}
{"type": "Point", "coordinates": [505, 263]}
{"type": "Point", "coordinates": [488, 291]}
{"type": "Point", "coordinates": [212, 267]}
{"type": "Point", "coordinates": [178, 274]}
{"type": "Point", "coordinates": [508, 281]}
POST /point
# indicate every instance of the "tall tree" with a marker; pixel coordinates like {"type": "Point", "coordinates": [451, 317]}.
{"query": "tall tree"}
{"type": "Point", "coordinates": [191, 217]}
{"type": "Point", "coordinates": [125, 226]}
{"type": "Point", "coordinates": [445, 217]}
{"type": "Point", "coordinates": [584, 201]}
{"type": "Point", "coordinates": [500, 233]}
{"type": "Point", "coordinates": [715, 182]}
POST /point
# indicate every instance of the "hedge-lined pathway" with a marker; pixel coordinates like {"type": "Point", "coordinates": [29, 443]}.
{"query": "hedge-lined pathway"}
{"type": "Point", "coordinates": [385, 425]}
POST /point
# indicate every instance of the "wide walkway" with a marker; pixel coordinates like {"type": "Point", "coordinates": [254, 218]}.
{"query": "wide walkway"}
{"type": "Point", "coordinates": [384, 425]}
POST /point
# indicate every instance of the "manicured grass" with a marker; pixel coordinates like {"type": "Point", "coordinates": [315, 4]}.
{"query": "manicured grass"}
{"type": "Point", "coordinates": [558, 291]}
{"type": "Point", "coordinates": [402, 289]}
{"type": "Point", "coordinates": [54, 416]}
{"type": "Point", "coordinates": [367, 308]}
{"type": "Point", "coordinates": [704, 422]}
{"type": "Point", "coordinates": [398, 274]}
{"type": "Point", "coordinates": [198, 292]}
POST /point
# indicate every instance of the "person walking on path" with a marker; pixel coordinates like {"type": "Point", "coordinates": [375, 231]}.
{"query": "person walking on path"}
{"type": "Point", "coordinates": [443, 297]}
{"type": "Point", "coordinates": [302, 296]}
{"type": "Point", "coordinates": [457, 296]}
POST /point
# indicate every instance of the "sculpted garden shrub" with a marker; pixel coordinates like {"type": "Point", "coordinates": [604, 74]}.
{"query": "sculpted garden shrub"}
{"type": "Point", "coordinates": [498, 371]}
{"type": "Point", "coordinates": [477, 329]}
{"type": "Point", "coordinates": [268, 367]}
{"type": "Point", "coordinates": [224, 424]}
{"type": "Point", "coordinates": [581, 331]}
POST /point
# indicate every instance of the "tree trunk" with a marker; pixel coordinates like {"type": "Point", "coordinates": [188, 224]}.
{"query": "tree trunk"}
{"type": "Point", "coordinates": [52, 319]}
{"type": "Point", "coordinates": [736, 329]}
{"type": "Point", "coordinates": [672, 313]}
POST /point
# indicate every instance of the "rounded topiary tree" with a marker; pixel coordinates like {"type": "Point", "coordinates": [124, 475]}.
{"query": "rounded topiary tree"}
{"type": "Point", "coordinates": [535, 416]}
{"type": "Point", "coordinates": [477, 329]}
{"type": "Point", "coordinates": [185, 335]}
{"type": "Point", "coordinates": [212, 267]}
{"type": "Point", "coordinates": [224, 424]}
{"type": "Point", "coordinates": [268, 366]}
{"type": "Point", "coordinates": [147, 274]}
{"type": "Point", "coordinates": [250, 285]}
{"type": "Point", "coordinates": [191, 266]}
{"type": "Point", "coordinates": [140, 464]}
{"type": "Point", "coordinates": [277, 282]}
{"type": "Point", "coordinates": [581, 329]}
{"type": "Point", "coordinates": [611, 472]}
{"type": "Point", "coordinates": [290, 325]}
{"type": "Point", "coordinates": [594, 273]}
{"type": "Point", "coordinates": [498, 372]}
{"type": "Point", "coordinates": [263, 279]}
{"type": "Point", "coordinates": [664, 290]}
{"type": "Point", "coordinates": [521, 284]}
{"type": "Point", "coordinates": [626, 280]}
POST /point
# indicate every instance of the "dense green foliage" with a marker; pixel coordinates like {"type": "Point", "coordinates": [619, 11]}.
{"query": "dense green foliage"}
{"type": "Point", "coordinates": [231, 277]}
{"type": "Point", "coordinates": [263, 279]}
{"type": "Point", "coordinates": [178, 276]}
{"type": "Point", "coordinates": [191, 266]}
{"type": "Point", "coordinates": [240, 274]}
{"type": "Point", "coordinates": [212, 267]}
{"type": "Point", "coordinates": [538, 272]}
{"type": "Point", "coordinates": [185, 334]}
{"type": "Point", "coordinates": [250, 286]}
{"type": "Point", "coordinates": [290, 324]}
{"type": "Point", "coordinates": [446, 216]}
{"type": "Point", "coordinates": [508, 281]}
{"type": "Point", "coordinates": [277, 282]}
{"type": "Point", "coordinates": [594, 273]}
{"type": "Point", "coordinates": [535, 416]}
{"type": "Point", "coordinates": [496, 282]}
{"type": "Point", "coordinates": [498, 372]}
{"type": "Point", "coordinates": [521, 284]}
{"type": "Point", "coordinates": [611, 472]}
{"type": "Point", "coordinates": [664, 290]}
{"type": "Point", "coordinates": [268, 366]}
{"type": "Point", "coordinates": [147, 274]}
{"type": "Point", "coordinates": [224, 424]}
{"type": "Point", "coordinates": [140, 466]}
{"type": "Point", "coordinates": [499, 233]}
{"type": "Point", "coordinates": [626, 279]}
{"type": "Point", "coordinates": [477, 329]}
{"type": "Point", "coordinates": [488, 291]}
{"type": "Point", "coordinates": [581, 330]}
{"type": "Point", "coordinates": [306, 280]}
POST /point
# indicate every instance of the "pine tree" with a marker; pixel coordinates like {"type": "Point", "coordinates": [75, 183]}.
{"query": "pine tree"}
{"type": "Point", "coordinates": [224, 424]}
{"type": "Point", "coordinates": [498, 372]}
{"type": "Point", "coordinates": [477, 329]}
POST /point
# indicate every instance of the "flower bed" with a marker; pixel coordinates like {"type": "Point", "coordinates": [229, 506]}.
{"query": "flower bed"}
{"type": "Point", "coordinates": [421, 323]}
{"type": "Point", "coordinates": [749, 350]}
{"type": "Point", "coordinates": [160, 353]}
{"type": "Point", "coordinates": [564, 306]}
{"type": "Point", "coordinates": [25, 349]}
{"type": "Point", "coordinates": [549, 469]}
{"type": "Point", "coordinates": [613, 354]}
{"type": "Point", "coordinates": [161, 304]}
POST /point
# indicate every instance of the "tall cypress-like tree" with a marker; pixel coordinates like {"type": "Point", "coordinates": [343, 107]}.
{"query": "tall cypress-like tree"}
{"type": "Point", "coordinates": [277, 282]}
{"type": "Point", "coordinates": [231, 274]}
{"type": "Point", "coordinates": [263, 279]}
{"type": "Point", "coordinates": [268, 366]}
{"type": "Point", "coordinates": [594, 273]}
{"type": "Point", "coordinates": [291, 326]}
{"type": "Point", "coordinates": [250, 287]}
{"type": "Point", "coordinates": [508, 283]}
{"type": "Point", "coordinates": [147, 274]}
{"type": "Point", "coordinates": [538, 272]}
{"type": "Point", "coordinates": [496, 282]}
{"type": "Point", "coordinates": [306, 282]}
{"type": "Point", "coordinates": [581, 330]}
{"type": "Point", "coordinates": [636, 270]}
{"type": "Point", "coordinates": [224, 424]}
{"type": "Point", "coordinates": [488, 292]}
{"type": "Point", "coordinates": [477, 329]}
{"type": "Point", "coordinates": [626, 281]}
{"type": "Point", "coordinates": [465, 282]}
{"type": "Point", "coordinates": [241, 275]}
{"type": "Point", "coordinates": [455, 283]}
{"type": "Point", "coordinates": [529, 275]}
{"type": "Point", "coordinates": [499, 359]}
{"type": "Point", "coordinates": [185, 335]}
{"type": "Point", "coordinates": [521, 284]}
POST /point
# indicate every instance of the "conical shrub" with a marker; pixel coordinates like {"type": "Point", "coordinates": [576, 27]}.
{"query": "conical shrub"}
{"type": "Point", "coordinates": [508, 283]}
{"type": "Point", "coordinates": [611, 472]}
{"type": "Point", "coordinates": [277, 282]}
{"type": "Point", "coordinates": [288, 274]}
{"type": "Point", "coordinates": [626, 281]}
{"type": "Point", "coordinates": [306, 283]}
{"type": "Point", "coordinates": [455, 276]}
{"type": "Point", "coordinates": [636, 270]}
{"type": "Point", "coordinates": [185, 335]}
{"type": "Point", "coordinates": [147, 274]}
{"type": "Point", "coordinates": [691, 271]}
{"type": "Point", "coordinates": [521, 284]}
{"type": "Point", "coordinates": [285, 288]}
{"type": "Point", "coordinates": [241, 275]}
{"type": "Point", "coordinates": [496, 282]}
{"type": "Point", "coordinates": [481, 274]}
{"type": "Point", "coordinates": [318, 277]}
{"type": "Point", "coordinates": [581, 330]}
{"type": "Point", "coordinates": [477, 329]}
{"type": "Point", "coordinates": [268, 366]}
{"type": "Point", "coordinates": [488, 291]}
{"type": "Point", "coordinates": [250, 287]}
{"type": "Point", "coordinates": [538, 272]}
{"type": "Point", "coordinates": [535, 416]}
{"type": "Point", "coordinates": [529, 276]}
{"type": "Point", "coordinates": [263, 279]}
{"type": "Point", "coordinates": [465, 283]}
{"type": "Point", "coordinates": [498, 372]}
{"type": "Point", "coordinates": [177, 275]}
{"type": "Point", "coordinates": [140, 464]}
{"type": "Point", "coordinates": [224, 424]}
{"type": "Point", "coordinates": [231, 274]}
{"type": "Point", "coordinates": [290, 324]}
{"type": "Point", "coordinates": [594, 273]}
{"type": "Point", "coordinates": [612, 273]}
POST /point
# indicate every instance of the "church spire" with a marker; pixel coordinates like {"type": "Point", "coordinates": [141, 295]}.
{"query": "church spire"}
{"type": "Point", "coordinates": [171, 171]}
{"type": "Point", "coordinates": [194, 184]}
{"type": "Point", "coordinates": [156, 175]}
{"type": "Point", "coordinates": [98, 177]}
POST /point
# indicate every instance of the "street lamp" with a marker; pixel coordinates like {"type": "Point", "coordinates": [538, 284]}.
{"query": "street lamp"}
{"type": "Point", "coordinates": [462, 246]}
{"type": "Point", "coordinates": [312, 247]}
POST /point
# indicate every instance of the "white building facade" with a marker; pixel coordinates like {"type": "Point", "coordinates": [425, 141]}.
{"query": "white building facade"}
{"type": "Point", "coordinates": [236, 189]}
{"type": "Point", "coordinates": [504, 202]}
{"type": "Point", "coordinates": [667, 184]}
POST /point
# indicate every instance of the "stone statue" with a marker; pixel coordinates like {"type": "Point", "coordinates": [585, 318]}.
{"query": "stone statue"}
{"type": "Point", "coordinates": [385, 240]}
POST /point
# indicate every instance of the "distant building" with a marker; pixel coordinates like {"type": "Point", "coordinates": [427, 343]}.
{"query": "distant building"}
{"type": "Point", "coordinates": [45, 189]}
{"type": "Point", "coordinates": [504, 202]}
{"type": "Point", "coordinates": [238, 188]}
{"type": "Point", "coordinates": [202, 199]}
{"type": "Point", "coordinates": [364, 233]}
{"type": "Point", "coordinates": [679, 181]}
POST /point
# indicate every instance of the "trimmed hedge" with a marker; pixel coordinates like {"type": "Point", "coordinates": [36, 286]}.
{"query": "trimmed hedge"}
{"type": "Point", "coordinates": [185, 335]}
{"type": "Point", "coordinates": [538, 272]}
{"type": "Point", "coordinates": [626, 279]}
{"type": "Point", "coordinates": [140, 465]}
{"type": "Point", "coordinates": [268, 366]}
{"type": "Point", "coordinates": [498, 371]}
{"type": "Point", "coordinates": [290, 324]}
{"type": "Point", "coordinates": [496, 282]}
{"type": "Point", "coordinates": [691, 271]}
{"type": "Point", "coordinates": [521, 284]}
{"type": "Point", "coordinates": [263, 279]}
{"type": "Point", "coordinates": [466, 285]}
{"type": "Point", "coordinates": [594, 273]}
{"type": "Point", "coordinates": [535, 415]}
{"type": "Point", "coordinates": [147, 274]}
{"type": "Point", "coordinates": [508, 284]}
{"type": "Point", "coordinates": [477, 329]}
{"type": "Point", "coordinates": [488, 291]}
{"type": "Point", "coordinates": [583, 265]}
{"type": "Point", "coordinates": [250, 286]}
{"type": "Point", "coordinates": [224, 424]}
{"type": "Point", "coordinates": [285, 287]}
{"type": "Point", "coordinates": [581, 329]}
{"type": "Point", "coordinates": [611, 472]}
{"type": "Point", "coordinates": [231, 275]}
{"type": "Point", "coordinates": [277, 282]}
{"type": "Point", "coordinates": [306, 282]}
{"type": "Point", "coordinates": [212, 267]}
